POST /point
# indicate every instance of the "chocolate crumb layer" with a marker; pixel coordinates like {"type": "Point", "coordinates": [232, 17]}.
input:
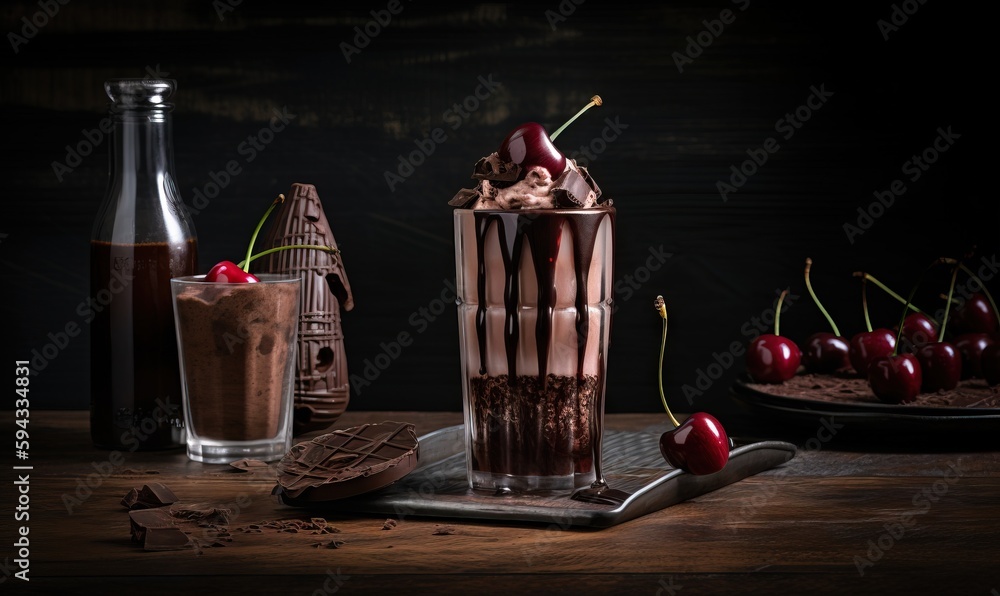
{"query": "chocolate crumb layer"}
{"type": "Point", "coordinates": [530, 428]}
{"type": "Point", "coordinates": [845, 389]}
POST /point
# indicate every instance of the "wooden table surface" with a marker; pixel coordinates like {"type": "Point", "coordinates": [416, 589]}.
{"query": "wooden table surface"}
{"type": "Point", "coordinates": [830, 520]}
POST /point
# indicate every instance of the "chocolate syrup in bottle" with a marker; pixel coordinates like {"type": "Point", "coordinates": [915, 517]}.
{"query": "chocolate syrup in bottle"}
{"type": "Point", "coordinates": [142, 237]}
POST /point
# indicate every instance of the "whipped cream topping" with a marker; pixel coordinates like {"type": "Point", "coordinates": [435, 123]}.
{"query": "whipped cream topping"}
{"type": "Point", "coordinates": [499, 187]}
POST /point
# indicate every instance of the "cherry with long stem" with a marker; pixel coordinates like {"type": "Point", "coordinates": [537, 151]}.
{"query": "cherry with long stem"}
{"type": "Point", "coordinates": [867, 345]}
{"type": "Point", "coordinates": [824, 352]}
{"type": "Point", "coordinates": [918, 327]}
{"type": "Point", "coordinates": [700, 444]}
{"type": "Point", "coordinates": [770, 357]}
{"type": "Point", "coordinates": [897, 378]}
{"type": "Point", "coordinates": [941, 362]}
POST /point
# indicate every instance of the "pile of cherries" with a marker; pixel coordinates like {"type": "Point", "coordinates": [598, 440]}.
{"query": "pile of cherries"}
{"type": "Point", "coordinates": [916, 357]}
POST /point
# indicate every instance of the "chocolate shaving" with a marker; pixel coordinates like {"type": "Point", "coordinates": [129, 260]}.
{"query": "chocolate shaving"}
{"type": "Point", "coordinates": [206, 514]}
{"type": "Point", "coordinates": [389, 524]}
{"type": "Point", "coordinates": [493, 168]}
{"type": "Point", "coordinates": [249, 465]}
{"type": "Point", "coordinates": [463, 198]}
{"type": "Point", "coordinates": [443, 530]}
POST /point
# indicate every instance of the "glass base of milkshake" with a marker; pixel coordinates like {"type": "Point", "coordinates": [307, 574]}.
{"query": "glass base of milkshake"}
{"type": "Point", "coordinates": [534, 282]}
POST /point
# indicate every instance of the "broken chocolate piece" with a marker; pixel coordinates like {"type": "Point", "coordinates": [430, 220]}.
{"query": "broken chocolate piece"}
{"type": "Point", "coordinates": [156, 494]}
{"type": "Point", "coordinates": [389, 524]}
{"type": "Point", "coordinates": [464, 198]}
{"type": "Point", "coordinates": [152, 495]}
{"type": "Point", "coordinates": [573, 190]}
{"type": "Point", "coordinates": [142, 520]}
{"type": "Point", "coordinates": [345, 463]}
{"type": "Point", "coordinates": [493, 168]}
{"type": "Point", "coordinates": [130, 498]}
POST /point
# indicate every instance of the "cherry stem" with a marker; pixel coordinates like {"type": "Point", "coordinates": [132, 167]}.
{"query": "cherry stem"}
{"type": "Point", "coordinates": [777, 310]}
{"type": "Point", "coordinates": [661, 307]}
{"type": "Point", "coordinates": [889, 291]}
{"type": "Point", "coordinates": [913, 292]}
{"type": "Point", "coordinates": [864, 303]}
{"type": "Point", "coordinates": [326, 249]}
{"type": "Point", "coordinates": [594, 101]}
{"type": "Point", "coordinates": [989, 296]}
{"type": "Point", "coordinates": [260, 224]}
{"type": "Point", "coordinates": [947, 306]}
{"type": "Point", "coordinates": [809, 287]}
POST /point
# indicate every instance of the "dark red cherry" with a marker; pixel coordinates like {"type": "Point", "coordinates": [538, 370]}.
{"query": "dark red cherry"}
{"type": "Point", "coordinates": [772, 358]}
{"type": "Point", "coordinates": [918, 329]}
{"type": "Point", "coordinates": [895, 379]}
{"type": "Point", "coordinates": [529, 145]}
{"type": "Point", "coordinates": [824, 352]}
{"type": "Point", "coordinates": [228, 272]}
{"type": "Point", "coordinates": [940, 366]}
{"type": "Point", "coordinates": [866, 346]}
{"type": "Point", "coordinates": [699, 445]}
{"type": "Point", "coordinates": [971, 346]}
{"type": "Point", "coordinates": [974, 315]}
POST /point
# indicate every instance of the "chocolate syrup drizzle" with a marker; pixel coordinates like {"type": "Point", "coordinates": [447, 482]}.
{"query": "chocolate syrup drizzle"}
{"type": "Point", "coordinates": [544, 234]}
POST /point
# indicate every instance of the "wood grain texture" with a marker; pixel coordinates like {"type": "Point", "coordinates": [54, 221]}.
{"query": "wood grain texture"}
{"type": "Point", "coordinates": [794, 529]}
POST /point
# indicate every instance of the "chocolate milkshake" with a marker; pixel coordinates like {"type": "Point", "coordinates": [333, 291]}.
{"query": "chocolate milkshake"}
{"type": "Point", "coordinates": [534, 262]}
{"type": "Point", "coordinates": [237, 345]}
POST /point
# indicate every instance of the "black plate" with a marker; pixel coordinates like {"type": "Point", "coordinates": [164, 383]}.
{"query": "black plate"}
{"type": "Point", "coordinates": [871, 416]}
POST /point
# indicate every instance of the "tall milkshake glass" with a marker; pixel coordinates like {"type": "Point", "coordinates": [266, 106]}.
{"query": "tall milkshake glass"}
{"type": "Point", "coordinates": [534, 307]}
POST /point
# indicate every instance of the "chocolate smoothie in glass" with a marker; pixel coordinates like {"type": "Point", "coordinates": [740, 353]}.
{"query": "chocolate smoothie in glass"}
{"type": "Point", "coordinates": [534, 257]}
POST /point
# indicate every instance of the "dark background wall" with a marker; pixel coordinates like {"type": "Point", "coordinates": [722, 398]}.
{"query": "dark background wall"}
{"type": "Point", "coordinates": [680, 131]}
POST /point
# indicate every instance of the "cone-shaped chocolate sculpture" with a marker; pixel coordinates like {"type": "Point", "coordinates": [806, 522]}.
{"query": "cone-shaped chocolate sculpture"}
{"type": "Point", "coordinates": [321, 384]}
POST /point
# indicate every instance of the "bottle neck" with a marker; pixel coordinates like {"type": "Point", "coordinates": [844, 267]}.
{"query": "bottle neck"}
{"type": "Point", "coordinates": [141, 149]}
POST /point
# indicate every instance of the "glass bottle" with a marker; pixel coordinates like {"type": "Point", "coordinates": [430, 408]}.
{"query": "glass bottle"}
{"type": "Point", "coordinates": [142, 237]}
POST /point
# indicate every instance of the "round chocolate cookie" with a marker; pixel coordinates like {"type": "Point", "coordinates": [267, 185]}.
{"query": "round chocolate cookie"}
{"type": "Point", "coordinates": [347, 462]}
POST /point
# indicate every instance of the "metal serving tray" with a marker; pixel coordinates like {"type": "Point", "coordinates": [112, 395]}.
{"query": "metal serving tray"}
{"type": "Point", "coordinates": [438, 487]}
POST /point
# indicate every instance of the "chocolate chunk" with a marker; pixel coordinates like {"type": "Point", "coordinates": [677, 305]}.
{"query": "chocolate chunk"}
{"type": "Point", "coordinates": [493, 168]}
{"type": "Point", "coordinates": [130, 498]}
{"type": "Point", "coordinates": [142, 520]}
{"type": "Point", "coordinates": [154, 494]}
{"type": "Point", "coordinates": [463, 198]}
{"type": "Point", "coordinates": [345, 463]}
{"type": "Point", "coordinates": [572, 189]}
{"type": "Point", "coordinates": [389, 524]}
